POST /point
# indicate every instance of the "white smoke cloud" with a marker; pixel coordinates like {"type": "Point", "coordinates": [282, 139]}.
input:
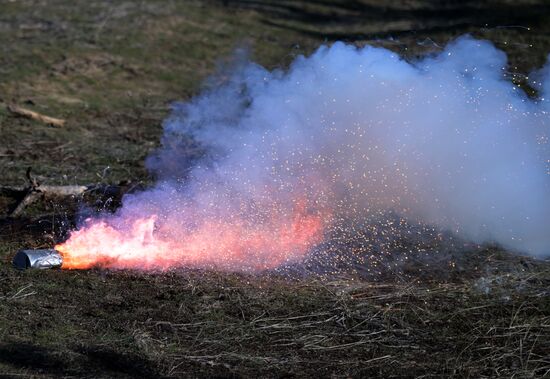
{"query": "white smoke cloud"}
{"type": "Point", "coordinates": [342, 138]}
{"type": "Point", "coordinates": [445, 140]}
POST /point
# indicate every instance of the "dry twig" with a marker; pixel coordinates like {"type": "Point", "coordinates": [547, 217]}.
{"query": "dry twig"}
{"type": "Point", "coordinates": [35, 191]}
{"type": "Point", "coordinates": [27, 113]}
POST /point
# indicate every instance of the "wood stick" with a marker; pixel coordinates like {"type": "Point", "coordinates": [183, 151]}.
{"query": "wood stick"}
{"type": "Point", "coordinates": [64, 190]}
{"type": "Point", "coordinates": [29, 195]}
{"type": "Point", "coordinates": [35, 191]}
{"type": "Point", "coordinates": [29, 198]}
{"type": "Point", "coordinates": [72, 190]}
{"type": "Point", "coordinates": [27, 113]}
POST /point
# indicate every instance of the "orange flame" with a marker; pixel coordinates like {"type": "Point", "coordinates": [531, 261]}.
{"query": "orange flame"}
{"type": "Point", "coordinates": [236, 245]}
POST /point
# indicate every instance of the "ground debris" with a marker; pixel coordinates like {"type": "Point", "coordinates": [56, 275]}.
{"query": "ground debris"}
{"type": "Point", "coordinates": [27, 113]}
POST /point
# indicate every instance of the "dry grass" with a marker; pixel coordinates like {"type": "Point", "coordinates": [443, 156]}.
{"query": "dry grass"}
{"type": "Point", "coordinates": [111, 69]}
{"type": "Point", "coordinates": [213, 324]}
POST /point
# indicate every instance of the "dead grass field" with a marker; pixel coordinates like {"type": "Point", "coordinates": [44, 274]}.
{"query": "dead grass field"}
{"type": "Point", "coordinates": [111, 69]}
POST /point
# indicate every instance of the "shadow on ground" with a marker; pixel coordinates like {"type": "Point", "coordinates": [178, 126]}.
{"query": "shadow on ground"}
{"type": "Point", "coordinates": [332, 20]}
{"type": "Point", "coordinates": [94, 360]}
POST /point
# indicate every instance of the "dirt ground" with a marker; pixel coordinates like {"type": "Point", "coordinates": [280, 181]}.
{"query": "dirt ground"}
{"type": "Point", "coordinates": [112, 69]}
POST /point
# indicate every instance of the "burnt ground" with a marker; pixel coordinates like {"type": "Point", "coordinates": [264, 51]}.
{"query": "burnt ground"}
{"type": "Point", "coordinates": [111, 70]}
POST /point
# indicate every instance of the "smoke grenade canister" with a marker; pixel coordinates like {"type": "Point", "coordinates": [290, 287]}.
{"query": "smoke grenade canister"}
{"type": "Point", "coordinates": [37, 259]}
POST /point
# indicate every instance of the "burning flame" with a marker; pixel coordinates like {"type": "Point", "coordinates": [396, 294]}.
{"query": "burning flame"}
{"type": "Point", "coordinates": [148, 244]}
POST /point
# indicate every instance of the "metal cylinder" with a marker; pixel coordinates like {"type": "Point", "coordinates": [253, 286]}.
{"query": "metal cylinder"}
{"type": "Point", "coordinates": [37, 259]}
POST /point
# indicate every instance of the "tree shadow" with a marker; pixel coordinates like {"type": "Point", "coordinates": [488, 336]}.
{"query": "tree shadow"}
{"type": "Point", "coordinates": [34, 358]}
{"type": "Point", "coordinates": [87, 361]}
{"type": "Point", "coordinates": [335, 20]}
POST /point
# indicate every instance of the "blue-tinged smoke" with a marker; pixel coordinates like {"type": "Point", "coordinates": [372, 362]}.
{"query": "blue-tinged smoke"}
{"type": "Point", "coordinates": [445, 140]}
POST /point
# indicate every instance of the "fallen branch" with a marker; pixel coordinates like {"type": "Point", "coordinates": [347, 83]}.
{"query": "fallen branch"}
{"type": "Point", "coordinates": [35, 191]}
{"type": "Point", "coordinates": [28, 199]}
{"type": "Point", "coordinates": [31, 195]}
{"type": "Point", "coordinates": [75, 190]}
{"type": "Point", "coordinates": [27, 113]}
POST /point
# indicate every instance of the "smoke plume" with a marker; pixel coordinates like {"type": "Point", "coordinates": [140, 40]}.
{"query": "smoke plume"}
{"type": "Point", "coordinates": [346, 134]}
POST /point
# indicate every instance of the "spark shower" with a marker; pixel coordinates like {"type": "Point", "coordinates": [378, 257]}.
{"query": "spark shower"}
{"type": "Point", "coordinates": [346, 133]}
